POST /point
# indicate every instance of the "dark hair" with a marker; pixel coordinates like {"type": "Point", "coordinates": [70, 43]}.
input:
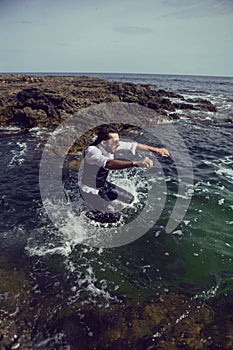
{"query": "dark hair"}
{"type": "Point", "coordinates": [104, 131]}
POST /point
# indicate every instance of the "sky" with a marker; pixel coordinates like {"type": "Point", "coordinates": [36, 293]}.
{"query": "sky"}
{"type": "Point", "coordinates": [125, 36]}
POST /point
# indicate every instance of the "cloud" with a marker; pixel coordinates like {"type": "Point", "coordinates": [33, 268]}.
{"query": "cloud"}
{"type": "Point", "coordinates": [24, 22]}
{"type": "Point", "coordinates": [134, 30]}
{"type": "Point", "coordinates": [202, 8]}
{"type": "Point", "coordinates": [62, 43]}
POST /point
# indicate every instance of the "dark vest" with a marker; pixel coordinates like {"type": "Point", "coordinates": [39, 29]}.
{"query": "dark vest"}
{"type": "Point", "coordinates": [93, 175]}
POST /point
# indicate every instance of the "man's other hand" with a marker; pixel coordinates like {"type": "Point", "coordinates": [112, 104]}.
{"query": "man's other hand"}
{"type": "Point", "coordinates": [145, 163]}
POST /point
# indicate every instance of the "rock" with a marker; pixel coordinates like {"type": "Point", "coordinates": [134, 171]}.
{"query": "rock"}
{"type": "Point", "coordinates": [14, 310]}
{"type": "Point", "coordinates": [174, 116]}
{"type": "Point", "coordinates": [29, 118]}
{"type": "Point", "coordinates": [13, 334]}
{"type": "Point", "coordinates": [156, 324]}
{"type": "Point", "coordinates": [202, 105]}
{"type": "Point", "coordinates": [29, 101]}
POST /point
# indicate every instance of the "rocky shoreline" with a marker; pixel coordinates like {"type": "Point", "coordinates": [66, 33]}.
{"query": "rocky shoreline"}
{"type": "Point", "coordinates": [39, 101]}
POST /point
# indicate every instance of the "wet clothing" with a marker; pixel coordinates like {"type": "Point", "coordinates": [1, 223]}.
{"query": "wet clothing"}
{"type": "Point", "coordinates": [94, 187]}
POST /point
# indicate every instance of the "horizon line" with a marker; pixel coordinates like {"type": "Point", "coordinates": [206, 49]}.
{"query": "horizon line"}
{"type": "Point", "coordinates": [116, 73]}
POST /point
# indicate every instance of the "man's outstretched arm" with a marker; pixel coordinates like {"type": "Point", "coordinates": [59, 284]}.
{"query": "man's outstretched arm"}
{"type": "Point", "coordinates": [160, 151]}
{"type": "Point", "coordinates": [114, 164]}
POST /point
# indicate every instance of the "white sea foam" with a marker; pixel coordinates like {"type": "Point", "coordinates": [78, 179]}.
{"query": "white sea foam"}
{"type": "Point", "coordinates": [223, 167]}
{"type": "Point", "coordinates": [48, 249]}
{"type": "Point", "coordinates": [39, 131]}
{"type": "Point", "coordinates": [9, 129]}
{"type": "Point", "coordinates": [76, 228]}
{"type": "Point", "coordinates": [186, 222]}
{"type": "Point", "coordinates": [87, 283]}
{"type": "Point", "coordinates": [165, 120]}
{"type": "Point", "coordinates": [177, 233]}
{"type": "Point", "coordinates": [18, 154]}
{"type": "Point", "coordinates": [56, 340]}
{"type": "Point", "coordinates": [64, 243]}
{"type": "Point", "coordinates": [210, 293]}
{"type": "Point", "coordinates": [228, 173]}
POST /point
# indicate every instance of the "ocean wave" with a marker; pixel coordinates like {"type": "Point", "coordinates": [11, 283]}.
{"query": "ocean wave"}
{"type": "Point", "coordinates": [18, 154]}
{"type": "Point", "coordinates": [222, 167]}
{"type": "Point", "coordinates": [9, 129]}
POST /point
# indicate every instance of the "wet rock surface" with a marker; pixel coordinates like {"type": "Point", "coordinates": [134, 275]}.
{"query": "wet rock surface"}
{"type": "Point", "coordinates": [30, 101]}
{"type": "Point", "coordinates": [170, 321]}
{"type": "Point", "coordinates": [15, 319]}
{"type": "Point", "coordinates": [32, 320]}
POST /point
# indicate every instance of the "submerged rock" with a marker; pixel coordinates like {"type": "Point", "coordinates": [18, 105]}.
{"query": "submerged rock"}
{"type": "Point", "coordinates": [170, 321]}
{"type": "Point", "coordinates": [41, 317]}
{"type": "Point", "coordinates": [15, 317]}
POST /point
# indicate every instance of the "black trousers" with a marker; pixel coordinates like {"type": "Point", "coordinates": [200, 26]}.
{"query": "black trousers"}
{"type": "Point", "coordinates": [108, 193]}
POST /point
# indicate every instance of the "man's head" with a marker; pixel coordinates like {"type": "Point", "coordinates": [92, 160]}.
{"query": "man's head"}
{"type": "Point", "coordinates": [108, 137]}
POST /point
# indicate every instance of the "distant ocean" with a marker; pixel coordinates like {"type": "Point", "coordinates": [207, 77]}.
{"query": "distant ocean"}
{"type": "Point", "coordinates": [197, 259]}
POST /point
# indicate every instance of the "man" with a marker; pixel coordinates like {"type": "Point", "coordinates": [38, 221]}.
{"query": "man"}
{"type": "Point", "coordinates": [99, 158]}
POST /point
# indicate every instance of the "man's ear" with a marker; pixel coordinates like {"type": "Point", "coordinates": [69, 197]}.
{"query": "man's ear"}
{"type": "Point", "coordinates": [102, 142]}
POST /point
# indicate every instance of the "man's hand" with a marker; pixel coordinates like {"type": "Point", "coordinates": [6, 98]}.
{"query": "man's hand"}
{"type": "Point", "coordinates": [145, 163]}
{"type": "Point", "coordinates": [162, 152]}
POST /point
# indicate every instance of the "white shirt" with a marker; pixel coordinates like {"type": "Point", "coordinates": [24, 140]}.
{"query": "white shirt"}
{"type": "Point", "coordinates": [97, 155]}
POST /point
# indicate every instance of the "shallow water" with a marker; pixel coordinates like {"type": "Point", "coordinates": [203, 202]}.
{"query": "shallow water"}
{"type": "Point", "coordinates": [196, 257]}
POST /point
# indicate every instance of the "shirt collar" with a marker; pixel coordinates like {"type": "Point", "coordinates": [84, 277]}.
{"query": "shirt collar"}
{"type": "Point", "coordinates": [104, 152]}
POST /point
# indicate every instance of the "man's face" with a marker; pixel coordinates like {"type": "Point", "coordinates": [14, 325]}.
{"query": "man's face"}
{"type": "Point", "coordinates": [112, 143]}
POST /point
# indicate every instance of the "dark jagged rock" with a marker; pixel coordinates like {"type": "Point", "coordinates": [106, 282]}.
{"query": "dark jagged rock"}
{"type": "Point", "coordinates": [29, 101]}
{"type": "Point", "coordinates": [202, 105]}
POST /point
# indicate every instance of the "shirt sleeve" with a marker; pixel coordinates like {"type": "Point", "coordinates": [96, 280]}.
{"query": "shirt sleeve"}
{"type": "Point", "coordinates": [128, 146]}
{"type": "Point", "coordinates": [94, 156]}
